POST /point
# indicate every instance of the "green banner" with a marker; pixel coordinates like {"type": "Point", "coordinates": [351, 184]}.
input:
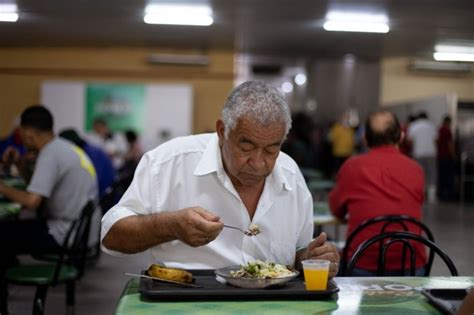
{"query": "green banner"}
{"type": "Point", "coordinates": [122, 106]}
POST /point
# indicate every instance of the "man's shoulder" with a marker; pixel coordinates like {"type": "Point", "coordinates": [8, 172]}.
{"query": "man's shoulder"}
{"type": "Point", "coordinates": [180, 146]}
{"type": "Point", "coordinates": [286, 163]}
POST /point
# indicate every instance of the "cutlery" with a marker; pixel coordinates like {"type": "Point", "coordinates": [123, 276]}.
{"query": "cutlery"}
{"type": "Point", "coordinates": [248, 232]}
{"type": "Point", "coordinates": [236, 228]}
{"type": "Point", "coordinates": [163, 280]}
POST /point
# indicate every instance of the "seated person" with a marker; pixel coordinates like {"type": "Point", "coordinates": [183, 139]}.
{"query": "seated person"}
{"type": "Point", "coordinates": [184, 190]}
{"type": "Point", "coordinates": [380, 182]}
{"type": "Point", "coordinates": [102, 163]}
{"type": "Point", "coordinates": [63, 182]}
{"type": "Point", "coordinates": [114, 144]}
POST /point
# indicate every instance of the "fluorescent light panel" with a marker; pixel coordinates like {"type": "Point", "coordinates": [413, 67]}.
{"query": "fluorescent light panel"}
{"type": "Point", "coordinates": [178, 14]}
{"type": "Point", "coordinates": [356, 22]}
{"type": "Point", "coordinates": [8, 17]}
{"type": "Point", "coordinates": [8, 12]}
{"type": "Point", "coordinates": [442, 56]}
{"type": "Point", "coordinates": [454, 53]}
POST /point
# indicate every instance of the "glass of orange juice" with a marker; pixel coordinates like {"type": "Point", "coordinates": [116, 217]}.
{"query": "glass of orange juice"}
{"type": "Point", "coordinates": [316, 273]}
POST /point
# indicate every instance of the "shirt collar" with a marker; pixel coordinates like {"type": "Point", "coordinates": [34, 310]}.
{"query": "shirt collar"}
{"type": "Point", "coordinates": [211, 161]}
{"type": "Point", "coordinates": [279, 176]}
{"type": "Point", "coordinates": [211, 158]}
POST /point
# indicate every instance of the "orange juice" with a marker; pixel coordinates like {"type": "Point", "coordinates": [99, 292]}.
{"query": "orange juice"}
{"type": "Point", "coordinates": [316, 279]}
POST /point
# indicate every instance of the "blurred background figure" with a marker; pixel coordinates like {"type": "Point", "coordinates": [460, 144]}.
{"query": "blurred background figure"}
{"type": "Point", "coordinates": [446, 160]}
{"type": "Point", "coordinates": [103, 164]}
{"type": "Point", "coordinates": [114, 144]}
{"type": "Point", "coordinates": [422, 134]}
{"type": "Point", "coordinates": [378, 183]}
{"type": "Point", "coordinates": [405, 145]}
{"type": "Point", "coordinates": [12, 140]}
{"type": "Point", "coordinates": [298, 144]}
{"type": "Point", "coordinates": [135, 150]}
{"type": "Point", "coordinates": [342, 138]}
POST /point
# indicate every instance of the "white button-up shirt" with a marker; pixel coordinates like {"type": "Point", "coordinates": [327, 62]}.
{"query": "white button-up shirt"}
{"type": "Point", "coordinates": [187, 172]}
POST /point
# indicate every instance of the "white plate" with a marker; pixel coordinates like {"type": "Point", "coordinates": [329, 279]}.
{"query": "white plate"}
{"type": "Point", "coordinates": [250, 283]}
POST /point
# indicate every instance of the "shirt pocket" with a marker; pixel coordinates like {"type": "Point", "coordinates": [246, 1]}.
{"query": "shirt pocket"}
{"type": "Point", "coordinates": [282, 252]}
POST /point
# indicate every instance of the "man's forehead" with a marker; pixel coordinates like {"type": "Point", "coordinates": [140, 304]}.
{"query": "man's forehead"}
{"type": "Point", "coordinates": [252, 129]}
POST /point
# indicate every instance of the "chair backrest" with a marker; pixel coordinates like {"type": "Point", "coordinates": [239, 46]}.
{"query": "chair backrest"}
{"type": "Point", "coordinates": [387, 221]}
{"type": "Point", "coordinates": [74, 248]}
{"type": "Point", "coordinates": [388, 239]}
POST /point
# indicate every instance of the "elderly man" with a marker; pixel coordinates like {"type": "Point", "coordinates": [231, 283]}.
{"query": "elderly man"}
{"type": "Point", "coordinates": [381, 182]}
{"type": "Point", "coordinates": [63, 181]}
{"type": "Point", "coordinates": [186, 189]}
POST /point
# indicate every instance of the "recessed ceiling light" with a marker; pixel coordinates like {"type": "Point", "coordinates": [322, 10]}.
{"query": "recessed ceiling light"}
{"type": "Point", "coordinates": [300, 79]}
{"type": "Point", "coordinates": [287, 87]}
{"type": "Point", "coordinates": [171, 14]}
{"type": "Point", "coordinates": [454, 53]}
{"type": "Point", "coordinates": [344, 21]}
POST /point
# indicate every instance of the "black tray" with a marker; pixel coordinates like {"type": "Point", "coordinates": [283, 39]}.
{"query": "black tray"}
{"type": "Point", "coordinates": [152, 290]}
{"type": "Point", "coordinates": [447, 301]}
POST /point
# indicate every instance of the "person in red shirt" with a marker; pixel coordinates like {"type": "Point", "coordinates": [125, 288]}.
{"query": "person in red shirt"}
{"type": "Point", "coordinates": [446, 156]}
{"type": "Point", "coordinates": [381, 182]}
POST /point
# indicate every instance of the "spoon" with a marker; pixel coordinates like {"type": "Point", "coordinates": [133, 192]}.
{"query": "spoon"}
{"type": "Point", "coordinates": [252, 231]}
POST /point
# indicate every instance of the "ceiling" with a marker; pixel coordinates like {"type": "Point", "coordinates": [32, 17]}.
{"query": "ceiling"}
{"type": "Point", "coordinates": [290, 28]}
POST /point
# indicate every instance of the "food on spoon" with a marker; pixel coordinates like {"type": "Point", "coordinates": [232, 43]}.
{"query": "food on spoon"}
{"type": "Point", "coordinates": [262, 270]}
{"type": "Point", "coordinates": [253, 230]}
{"type": "Point", "coordinates": [172, 274]}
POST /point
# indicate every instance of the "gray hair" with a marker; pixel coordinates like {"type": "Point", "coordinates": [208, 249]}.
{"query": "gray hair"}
{"type": "Point", "coordinates": [256, 100]}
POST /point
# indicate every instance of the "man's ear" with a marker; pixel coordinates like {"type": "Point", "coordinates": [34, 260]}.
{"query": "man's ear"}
{"type": "Point", "coordinates": [402, 137]}
{"type": "Point", "coordinates": [220, 128]}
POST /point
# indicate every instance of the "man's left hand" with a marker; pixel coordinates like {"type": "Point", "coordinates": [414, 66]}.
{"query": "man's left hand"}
{"type": "Point", "coordinates": [319, 248]}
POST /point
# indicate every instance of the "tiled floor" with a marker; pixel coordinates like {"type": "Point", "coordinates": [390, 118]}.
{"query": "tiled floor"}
{"type": "Point", "coordinates": [98, 292]}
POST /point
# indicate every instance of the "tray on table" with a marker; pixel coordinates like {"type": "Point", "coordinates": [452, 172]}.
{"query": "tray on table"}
{"type": "Point", "coordinates": [212, 290]}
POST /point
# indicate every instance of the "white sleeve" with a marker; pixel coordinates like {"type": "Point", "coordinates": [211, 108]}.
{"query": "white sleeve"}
{"type": "Point", "coordinates": [137, 200]}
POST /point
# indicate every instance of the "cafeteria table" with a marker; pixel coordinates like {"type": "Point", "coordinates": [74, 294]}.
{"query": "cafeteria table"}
{"type": "Point", "coordinates": [370, 295]}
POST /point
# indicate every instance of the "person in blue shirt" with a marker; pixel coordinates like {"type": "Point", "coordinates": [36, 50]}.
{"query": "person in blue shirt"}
{"type": "Point", "coordinates": [106, 174]}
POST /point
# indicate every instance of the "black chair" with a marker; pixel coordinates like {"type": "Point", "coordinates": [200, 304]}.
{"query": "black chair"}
{"type": "Point", "coordinates": [68, 267]}
{"type": "Point", "coordinates": [389, 239]}
{"type": "Point", "coordinates": [386, 221]}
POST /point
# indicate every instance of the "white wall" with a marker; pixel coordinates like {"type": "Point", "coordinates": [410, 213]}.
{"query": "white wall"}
{"type": "Point", "coordinates": [167, 107]}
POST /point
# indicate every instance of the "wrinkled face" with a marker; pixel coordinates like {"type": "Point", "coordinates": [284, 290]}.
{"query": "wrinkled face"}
{"type": "Point", "coordinates": [250, 152]}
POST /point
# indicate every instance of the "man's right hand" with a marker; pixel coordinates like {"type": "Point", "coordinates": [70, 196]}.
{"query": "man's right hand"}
{"type": "Point", "coordinates": [196, 226]}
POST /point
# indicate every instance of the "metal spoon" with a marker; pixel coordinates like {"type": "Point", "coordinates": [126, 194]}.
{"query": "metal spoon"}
{"type": "Point", "coordinates": [248, 232]}
{"type": "Point", "coordinates": [163, 280]}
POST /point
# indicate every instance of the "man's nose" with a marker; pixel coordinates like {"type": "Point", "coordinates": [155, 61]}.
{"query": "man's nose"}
{"type": "Point", "coordinates": [257, 160]}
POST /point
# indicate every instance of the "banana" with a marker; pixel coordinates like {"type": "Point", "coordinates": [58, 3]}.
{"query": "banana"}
{"type": "Point", "coordinates": [170, 273]}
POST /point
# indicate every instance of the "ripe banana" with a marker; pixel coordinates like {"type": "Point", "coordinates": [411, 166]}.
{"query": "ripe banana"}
{"type": "Point", "coordinates": [170, 273]}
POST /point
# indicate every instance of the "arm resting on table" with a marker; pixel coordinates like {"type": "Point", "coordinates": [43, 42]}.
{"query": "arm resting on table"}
{"type": "Point", "coordinates": [29, 200]}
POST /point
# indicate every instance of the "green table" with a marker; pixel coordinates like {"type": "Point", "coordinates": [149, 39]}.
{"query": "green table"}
{"type": "Point", "coordinates": [384, 295]}
{"type": "Point", "coordinates": [9, 209]}
{"type": "Point", "coordinates": [15, 182]}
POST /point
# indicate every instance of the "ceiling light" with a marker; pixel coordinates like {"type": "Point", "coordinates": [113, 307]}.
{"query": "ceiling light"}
{"type": "Point", "coordinates": [287, 87]}
{"type": "Point", "coordinates": [8, 17]}
{"type": "Point", "coordinates": [199, 15]}
{"type": "Point", "coordinates": [454, 53]}
{"type": "Point", "coordinates": [441, 56]}
{"type": "Point", "coordinates": [300, 79]}
{"type": "Point", "coordinates": [356, 22]}
{"type": "Point", "coordinates": [8, 12]}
